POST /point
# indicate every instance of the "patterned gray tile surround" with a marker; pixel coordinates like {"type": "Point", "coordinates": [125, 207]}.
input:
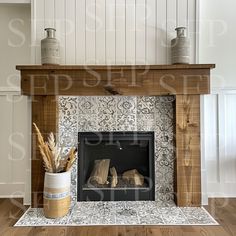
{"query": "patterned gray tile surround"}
{"type": "Point", "coordinates": [120, 113]}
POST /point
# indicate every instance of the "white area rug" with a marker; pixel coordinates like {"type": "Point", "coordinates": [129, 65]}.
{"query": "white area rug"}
{"type": "Point", "coordinates": [120, 213]}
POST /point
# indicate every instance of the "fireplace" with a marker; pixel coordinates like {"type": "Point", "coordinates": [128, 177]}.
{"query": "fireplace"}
{"type": "Point", "coordinates": [185, 82]}
{"type": "Point", "coordinates": [112, 114]}
{"type": "Point", "coordinates": [125, 151]}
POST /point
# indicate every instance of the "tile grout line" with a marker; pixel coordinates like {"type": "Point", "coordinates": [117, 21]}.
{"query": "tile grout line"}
{"type": "Point", "coordinates": [56, 222]}
{"type": "Point", "coordinates": [184, 215]}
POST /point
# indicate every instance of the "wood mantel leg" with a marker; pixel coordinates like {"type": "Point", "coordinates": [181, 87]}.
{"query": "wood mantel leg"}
{"type": "Point", "coordinates": [188, 157]}
{"type": "Point", "coordinates": [45, 115]}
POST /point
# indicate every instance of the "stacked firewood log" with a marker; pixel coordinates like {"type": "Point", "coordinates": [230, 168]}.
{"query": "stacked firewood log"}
{"type": "Point", "coordinates": [100, 173]}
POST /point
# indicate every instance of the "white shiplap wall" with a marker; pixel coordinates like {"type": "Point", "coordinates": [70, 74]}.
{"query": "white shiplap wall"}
{"type": "Point", "coordinates": [220, 142]}
{"type": "Point", "coordinates": [90, 32]}
{"type": "Point", "coordinates": [217, 44]}
{"type": "Point", "coordinates": [117, 32]}
{"type": "Point", "coordinates": [15, 109]}
{"type": "Point", "coordinates": [15, 146]}
{"type": "Point", "coordinates": [114, 31]}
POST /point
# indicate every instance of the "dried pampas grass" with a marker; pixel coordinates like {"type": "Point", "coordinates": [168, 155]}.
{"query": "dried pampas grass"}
{"type": "Point", "coordinates": [51, 154]}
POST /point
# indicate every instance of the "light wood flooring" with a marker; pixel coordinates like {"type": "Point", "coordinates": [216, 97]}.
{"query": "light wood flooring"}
{"type": "Point", "coordinates": [222, 209]}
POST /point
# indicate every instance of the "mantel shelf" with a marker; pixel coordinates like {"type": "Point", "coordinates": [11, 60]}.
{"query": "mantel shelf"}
{"type": "Point", "coordinates": [186, 82]}
{"type": "Point", "coordinates": [97, 80]}
{"type": "Point", "coordinates": [115, 67]}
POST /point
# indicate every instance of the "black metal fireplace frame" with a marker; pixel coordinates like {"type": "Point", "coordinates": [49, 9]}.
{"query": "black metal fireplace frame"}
{"type": "Point", "coordinates": [108, 194]}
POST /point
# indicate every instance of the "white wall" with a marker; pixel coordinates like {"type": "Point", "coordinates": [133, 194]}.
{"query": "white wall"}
{"type": "Point", "coordinates": [217, 40]}
{"type": "Point", "coordinates": [128, 32]}
{"type": "Point", "coordinates": [139, 32]}
{"type": "Point", "coordinates": [220, 143]}
{"type": "Point", "coordinates": [14, 43]}
{"type": "Point", "coordinates": [114, 31]}
{"type": "Point", "coordinates": [15, 109]}
{"type": "Point", "coordinates": [101, 32]}
{"type": "Point", "coordinates": [217, 45]}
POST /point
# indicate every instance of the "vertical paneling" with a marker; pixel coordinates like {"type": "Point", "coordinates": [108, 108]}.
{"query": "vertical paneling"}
{"type": "Point", "coordinates": [230, 138]}
{"type": "Point", "coordinates": [100, 32]}
{"type": "Point", "coordinates": [110, 31]}
{"type": "Point", "coordinates": [221, 136]}
{"type": "Point", "coordinates": [90, 31]}
{"type": "Point", "coordinates": [182, 13]}
{"type": "Point", "coordinates": [49, 10]}
{"type": "Point", "coordinates": [140, 32]}
{"type": "Point", "coordinates": [80, 32]}
{"type": "Point", "coordinates": [161, 56]}
{"type": "Point", "coordinates": [14, 146]}
{"type": "Point", "coordinates": [60, 27]}
{"type": "Point", "coordinates": [120, 31]}
{"type": "Point", "coordinates": [70, 37]}
{"type": "Point", "coordinates": [211, 137]}
{"type": "Point", "coordinates": [220, 139]}
{"type": "Point", "coordinates": [151, 31]}
{"type": "Point", "coordinates": [191, 26]}
{"type": "Point", "coordinates": [130, 32]}
{"type": "Point", "coordinates": [115, 31]}
{"type": "Point", "coordinates": [16, 48]}
{"type": "Point", "coordinates": [170, 26]}
{"type": "Point", "coordinates": [203, 153]}
{"type": "Point", "coordinates": [40, 26]}
{"type": "Point", "coordinates": [6, 131]}
{"type": "Point", "coordinates": [19, 138]}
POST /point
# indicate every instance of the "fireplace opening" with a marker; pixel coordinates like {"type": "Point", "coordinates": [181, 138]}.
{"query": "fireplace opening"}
{"type": "Point", "coordinates": [116, 166]}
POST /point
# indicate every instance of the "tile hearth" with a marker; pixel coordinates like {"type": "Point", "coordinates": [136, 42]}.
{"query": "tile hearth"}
{"type": "Point", "coordinates": [121, 213]}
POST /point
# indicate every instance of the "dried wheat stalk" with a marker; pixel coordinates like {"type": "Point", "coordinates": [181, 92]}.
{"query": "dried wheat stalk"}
{"type": "Point", "coordinates": [51, 154]}
{"type": "Point", "coordinates": [55, 150]}
{"type": "Point", "coordinates": [71, 158]}
{"type": "Point", "coordinates": [43, 148]}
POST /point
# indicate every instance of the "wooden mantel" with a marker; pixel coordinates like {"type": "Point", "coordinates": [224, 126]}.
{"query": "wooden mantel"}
{"type": "Point", "coordinates": [186, 82]}
{"type": "Point", "coordinates": [115, 80]}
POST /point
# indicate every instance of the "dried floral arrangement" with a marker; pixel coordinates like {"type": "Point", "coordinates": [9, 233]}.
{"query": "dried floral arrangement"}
{"type": "Point", "coordinates": [51, 154]}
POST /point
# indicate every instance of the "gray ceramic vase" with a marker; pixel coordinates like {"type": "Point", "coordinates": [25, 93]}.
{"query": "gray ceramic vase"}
{"type": "Point", "coordinates": [180, 47]}
{"type": "Point", "coordinates": [50, 48]}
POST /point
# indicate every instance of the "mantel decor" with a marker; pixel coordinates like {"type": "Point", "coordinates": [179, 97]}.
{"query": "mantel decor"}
{"type": "Point", "coordinates": [180, 47]}
{"type": "Point", "coordinates": [186, 82]}
{"type": "Point", "coordinates": [50, 48]}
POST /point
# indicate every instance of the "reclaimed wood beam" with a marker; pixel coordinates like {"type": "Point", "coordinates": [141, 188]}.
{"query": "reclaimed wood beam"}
{"type": "Point", "coordinates": [115, 80]}
{"type": "Point", "coordinates": [45, 115]}
{"type": "Point", "coordinates": [188, 155]}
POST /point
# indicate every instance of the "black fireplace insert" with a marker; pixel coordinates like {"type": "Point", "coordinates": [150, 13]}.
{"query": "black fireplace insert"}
{"type": "Point", "coordinates": [127, 152]}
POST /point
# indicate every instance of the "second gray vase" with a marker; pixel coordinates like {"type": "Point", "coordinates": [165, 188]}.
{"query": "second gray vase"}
{"type": "Point", "coordinates": [180, 47]}
{"type": "Point", "coordinates": [50, 48]}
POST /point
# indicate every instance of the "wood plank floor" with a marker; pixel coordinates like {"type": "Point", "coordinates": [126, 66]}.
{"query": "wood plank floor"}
{"type": "Point", "coordinates": [224, 211]}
